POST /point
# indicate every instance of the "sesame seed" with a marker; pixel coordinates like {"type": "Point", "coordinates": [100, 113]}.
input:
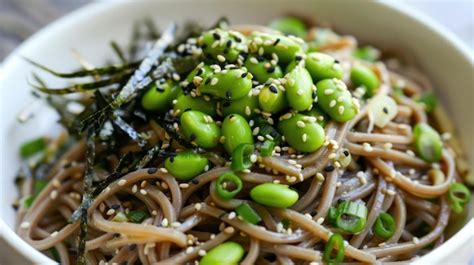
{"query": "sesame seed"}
{"type": "Point", "coordinates": [320, 220]}
{"type": "Point", "coordinates": [189, 250]}
{"type": "Point", "coordinates": [220, 58]}
{"type": "Point", "coordinates": [214, 81]}
{"type": "Point", "coordinates": [232, 215]}
{"type": "Point", "coordinates": [110, 212]}
{"type": "Point", "coordinates": [184, 185]}
{"type": "Point", "coordinates": [253, 158]}
{"type": "Point", "coordinates": [54, 194]}
{"type": "Point", "coordinates": [56, 183]}
{"type": "Point", "coordinates": [328, 91]}
{"type": "Point", "coordinates": [253, 60]}
{"type": "Point", "coordinates": [143, 192]}
{"type": "Point", "coordinates": [300, 124]}
{"type": "Point", "coordinates": [25, 225]}
{"type": "Point", "coordinates": [202, 252]}
{"type": "Point", "coordinates": [320, 177]}
{"type": "Point", "coordinates": [122, 182]}
{"type": "Point", "coordinates": [54, 234]}
{"type": "Point", "coordinates": [197, 206]}
{"type": "Point", "coordinates": [367, 147]}
{"type": "Point", "coordinates": [164, 222]}
{"type": "Point", "coordinates": [134, 188]}
{"type": "Point", "coordinates": [390, 192]}
{"type": "Point", "coordinates": [248, 112]}
{"type": "Point", "coordinates": [341, 110]}
{"type": "Point", "coordinates": [229, 230]}
{"type": "Point", "coordinates": [164, 170]}
{"type": "Point", "coordinates": [332, 104]}
{"type": "Point", "coordinates": [416, 240]}
{"type": "Point", "coordinates": [299, 92]}
{"type": "Point", "coordinates": [410, 153]}
{"type": "Point", "coordinates": [387, 146]}
{"type": "Point", "coordinates": [304, 137]}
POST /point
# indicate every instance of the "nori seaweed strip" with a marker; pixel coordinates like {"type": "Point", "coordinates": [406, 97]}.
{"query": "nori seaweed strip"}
{"type": "Point", "coordinates": [129, 130]}
{"type": "Point", "coordinates": [87, 194]}
{"type": "Point", "coordinates": [140, 78]}
{"type": "Point", "coordinates": [166, 122]}
{"type": "Point", "coordinates": [81, 87]}
{"type": "Point", "coordinates": [118, 51]}
{"type": "Point", "coordinates": [106, 70]}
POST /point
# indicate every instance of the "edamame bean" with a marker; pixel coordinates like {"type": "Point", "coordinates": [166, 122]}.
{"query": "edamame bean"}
{"type": "Point", "coordinates": [262, 69]}
{"type": "Point", "coordinates": [229, 84]}
{"type": "Point", "coordinates": [186, 165]}
{"type": "Point", "coordinates": [367, 53]}
{"type": "Point", "coordinates": [428, 143]}
{"type": "Point", "coordinates": [285, 48]}
{"type": "Point", "coordinates": [228, 253]}
{"type": "Point", "coordinates": [290, 26]}
{"type": "Point", "coordinates": [187, 102]}
{"type": "Point", "coordinates": [364, 76]}
{"type": "Point", "coordinates": [301, 133]}
{"type": "Point", "coordinates": [321, 117]}
{"type": "Point", "coordinates": [274, 195]}
{"type": "Point", "coordinates": [243, 106]}
{"type": "Point", "coordinates": [200, 128]}
{"type": "Point", "coordinates": [321, 37]}
{"type": "Point", "coordinates": [335, 100]}
{"type": "Point", "coordinates": [299, 88]}
{"type": "Point", "coordinates": [197, 76]}
{"type": "Point", "coordinates": [322, 66]}
{"type": "Point", "coordinates": [272, 99]}
{"type": "Point", "coordinates": [236, 131]}
{"type": "Point", "coordinates": [217, 42]}
{"type": "Point", "coordinates": [159, 96]}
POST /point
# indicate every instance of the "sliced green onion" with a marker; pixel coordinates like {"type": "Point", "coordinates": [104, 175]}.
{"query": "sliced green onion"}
{"type": "Point", "coordinates": [338, 241]}
{"type": "Point", "coordinates": [428, 142]}
{"type": "Point", "coordinates": [241, 157]}
{"type": "Point", "coordinates": [384, 226]}
{"type": "Point", "coordinates": [267, 129]}
{"type": "Point", "coordinates": [246, 212]}
{"type": "Point", "coordinates": [458, 196]}
{"type": "Point", "coordinates": [367, 53]}
{"type": "Point", "coordinates": [32, 147]}
{"type": "Point", "coordinates": [332, 214]}
{"type": "Point", "coordinates": [351, 217]}
{"type": "Point", "coordinates": [429, 101]}
{"type": "Point", "coordinates": [266, 149]}
{"type": "Point", "coordinates": [120, 217]}
{"type": "Point", "coordinates": [225, 179]}
{"type": "Point", "coordinates": [137, 216]}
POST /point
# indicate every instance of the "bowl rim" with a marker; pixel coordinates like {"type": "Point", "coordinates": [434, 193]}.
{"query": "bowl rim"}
{"type": "Point", "coordinates": [95, 8]}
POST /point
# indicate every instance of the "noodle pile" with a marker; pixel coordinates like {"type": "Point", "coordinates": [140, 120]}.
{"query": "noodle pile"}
{"type": "Point", "coordinates": [187, 219]}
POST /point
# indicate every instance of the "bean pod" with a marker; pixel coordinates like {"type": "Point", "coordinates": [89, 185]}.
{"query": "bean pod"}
{"type": "Point", "coordinates": [228, 44]}
{"type": "Point", "coordinates": [428, 142]}
{"type": "Point", "coordinates": [285, 48]}
{"type": "Point", "coordinates": [274, 195]}
{"type": "Point", "coordinates": [365, 77]}
{"type": "Point", "coordinates": [335, 100]}
{"type": "Point", "coordinates": [228, 253]}
{"type": "Point", "coordinates": [159, 96]}
{"type": "Point", "coordinates": [228, 84]}
{"type": "Point", "coordinates": [199, 128]}
{"type": "Point", "coordinates": [272, 99]}
{"type": "Point", "coordinates": [186, 165]}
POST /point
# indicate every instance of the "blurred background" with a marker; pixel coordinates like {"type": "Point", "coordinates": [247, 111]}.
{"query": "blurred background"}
{"type": "Point", "coordinates": [21, 18]}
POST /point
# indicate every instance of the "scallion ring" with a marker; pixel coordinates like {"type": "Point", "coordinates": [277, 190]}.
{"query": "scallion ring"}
{"type": "Point", "coordinates": [241, 157]}
{"type": "Point", "coordinates": [351, 217]}
{"type": "Point", "coordinates": [338, 241]}
{"type": "Point", "coordinates": [384, 226]}
{"type": "Point", "coordinates": [458, 196]}
{"type": "Point", "coordinates": [246, 212]}
{"type": "Point", "coordinates": [222, 185]}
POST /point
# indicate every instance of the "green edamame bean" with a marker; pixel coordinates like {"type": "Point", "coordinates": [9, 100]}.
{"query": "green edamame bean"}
{"type": "Point", "coordinates": [335, 100]}
{"type": "Point", "coordinates": [228, 253]}
{"type": "Point", "coordinates": [261, 69]}
{"type": "Point", "coordinates": [187, 102]}
{"type": "Point", "coordinates": [202, 72]}
{"type": "Point", "coordinates": [321, 117]}
{"type": "Point", "coordinates": [320, 37]}
{"type": "Point", "coordinates": [272, 99]}
{"type": "Point", "coordinates": [243, 106]}
{"type": "Point", "coordinates": [186, 165]}
{"type": "Point", "coordinates": [159, 96]}
{"type": "Point", "coordinates": [218, 42]}
{"type": "Point", "coordinates": [322, 66]}
{"type": "Point", "coordinates": [236, 131]}
{"type": "Point", "coordinates": [364, 76]}
{"type": "Point", "coordinates": [299, 88]}
{"type": "Point", "coordinates": [274, 195]}
{"type": "Point", "coordinates": [301, 133]}
{"type": "Point", "coordinates": [229, 84]}
{"type": "Point", "coordinates": [286, 48]}
{"type": "Point", "coordinates": [199, 128]}
{"type": "Point", "coordinates": [290, 26]}
{"type": "Point", "coordinates": [428, 142]}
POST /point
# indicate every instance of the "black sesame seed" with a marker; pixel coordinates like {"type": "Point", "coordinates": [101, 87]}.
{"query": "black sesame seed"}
{"type": "Point", "coordinates": [192, 137]}
{"type": "Point", "coordinates": [329, 168]}
{"type": "Point", "coordinates": [346, 153]}
{"type": "Point", "coordinates": [385, 110]}
{"type": "Point", "coordinates": [228, 94]}
{"type": "Point", "coordinates": [276, 42]}
{"type": "Point", "coordinates": [207, 81]}
{"type": "Point", "coordinates": [199, 71]}
{"type": "Point", "coordinates": [160, 89]}
{"type": "Point", "coordinates": [237, 39]}
{"type": "Point", "coordinates": [315, 94]}
{"type": "Point", "coordinates": [244, 55]}
{"type": "Point", "coordinates": [273, 89]}
{"type": "Point", "coordinates": [115, 206]}
{"type": "Point", "coordinates": [216, 36]}
{"type": "Point", "coordinates": [231, 116]}
{"type": "Point", "coordinates": [336, 61]}
{"type": "Point", "coordinates": [271, 69]}
{"type": "Point", "coordinates": [226, 104]}
{"type": "Point", "coordinates": [152, 170]}
{"type": "Point", "coordinates": [226, 51]}
{"type": "Point", "coordinates": [298, 58]}
{"type": "Point", "coordinates": [116, 235]}
{"type": "Point", "coordinates": [195, 181]}
{"type": "Point", "coordinates": [228, 43]}
{"type": "Point", "coordinates": [204, 46]}
{"type": "Point", "coordinates": [132, 247]}
{"type": "Point", "coordinates": [243, 75]}
{"type": "Point", "coordinates": [260, 58]}
{"type": "Point", "coordinates": [187, 109]}
{"type": "Point", "coordinates": [171, 159]}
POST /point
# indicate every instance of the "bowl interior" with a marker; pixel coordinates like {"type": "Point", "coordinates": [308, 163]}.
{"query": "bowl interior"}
{"type": "Point", "coordinates": [89, 31]}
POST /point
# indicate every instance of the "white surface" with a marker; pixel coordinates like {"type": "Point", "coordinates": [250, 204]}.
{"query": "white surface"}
{"type": "Point", "coordinates": [442, 56]}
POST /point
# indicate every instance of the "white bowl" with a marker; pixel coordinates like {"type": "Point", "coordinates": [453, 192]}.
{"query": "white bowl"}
{"type": "Point", "coordinates": [439, 53]}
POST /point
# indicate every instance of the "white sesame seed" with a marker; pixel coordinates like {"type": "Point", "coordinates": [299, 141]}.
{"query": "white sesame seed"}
{"type": "Point", "coordinates": [253, 158]}
{"type": "Point", "coordinates": [232, 215]}
{"type": "Point", "coordinates": [332, 156]}
{"type": "Point", "coordinates": [143, 192]}
{"type": "Point", "coordinates": [214, 81]}
{"type": "Point", "coordinates": [197, 206]}
{"type": "Point", "coordinates": [387, 146]}
{"type": "Point", "coordinates": [164, 222]}
{"type": "Point", "coordinates": [229, 230]}
{"type": "Point", "coordinates": [220, 58]}
{"type": "Point", "coordinates": [25, 225]}
{"type": "Point", "coordinates": [248, 111]}
{"type": "Point", "coordinates": [367, 147]}
{"type": "Point", "coordinates": [332, 103]}
{"type": "Point", "coordinates": [184, 185]}
{"type": "Point", "coordinates": [320, 220]}
{"type": "Point", "coordinates": [307, 215]}
{"type": "Point", "coordinates": [320, 177]}
{"type": "Point", "coordinates": [54, 234]}
{"type": "Point", "coordinates": [189, 250]}
{"type": "Point", "coordinates": [253, 60]}
{"type": "Point", "coordinates": [410, 153]}
{"type": "Point", "coordinates": [56, 183]}
{"type": "Point", "coordinates": [202, 252]}
{"type": "Point", "coordinates": [110, 212]}
{"type": "Point", "coordinates": [340, 110]}
{"type": "Point", "coordinates": [176, 77]}
{"type": "Point", "coordinates": [154, 212]}
{"type": "Point", "coordinates": [122, 182]}
{"type": "Point", "coordinates": [164, 170]}
{"type": "Point", "coordinates": [328, 91]}
{"type": "Point", "coordinates": [304, 138]}
{"type": "Point", "coordinates": [390, 192]}
{"type": "Point", "coordinates": [416, 240]}
{"type": "Point", "coordinates": [134, 188]}
{"type": "Point", "coordinates": [54, 194]}
{"type": "Point", "coordinates": [382, 244]}
{"type": "Point", "coordinates": [299, 92]}
{"type": "Point", "coordinates": [300, 124]}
